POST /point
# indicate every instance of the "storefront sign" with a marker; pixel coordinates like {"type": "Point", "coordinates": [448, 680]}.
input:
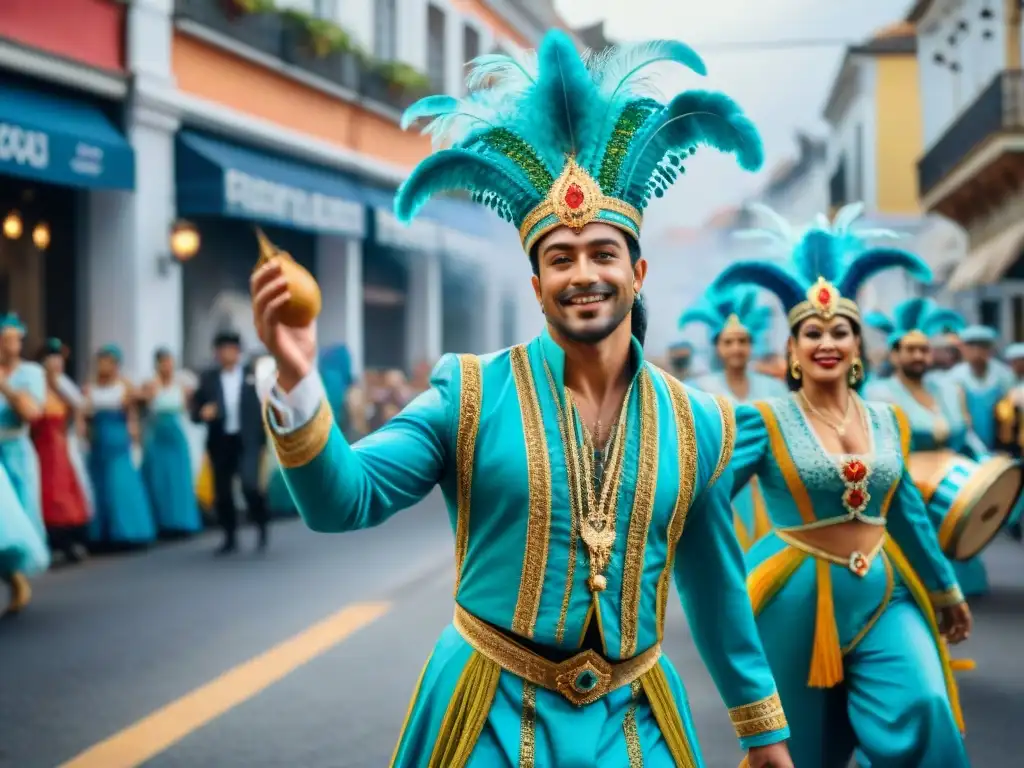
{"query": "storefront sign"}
{"type": "Point", "coordinates": [62, 158]}
{"type": "Point", "coordinates": [257, 198]}
{"type": "Point", "coordinates": [418, 235]}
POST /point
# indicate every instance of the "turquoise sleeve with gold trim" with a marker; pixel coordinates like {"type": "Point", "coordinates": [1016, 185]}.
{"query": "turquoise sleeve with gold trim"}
{"type": "Point", "coordinates": [711, 578]}
{"type": "Point", "coordinates": [751, 446]}
{"type": "Point", "coordinates": [338, 487]}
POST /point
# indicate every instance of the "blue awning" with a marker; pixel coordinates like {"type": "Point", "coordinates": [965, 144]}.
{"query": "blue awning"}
{"type": "Point", "coordinates": [62, 141]}
{"type": "Point", "coordinates": [219, 178]}
{"type": "Point", "coordinates": [443, 224]}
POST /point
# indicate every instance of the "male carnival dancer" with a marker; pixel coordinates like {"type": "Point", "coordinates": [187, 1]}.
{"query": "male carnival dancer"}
{"type": "Point", "coordinates": [580, 479]}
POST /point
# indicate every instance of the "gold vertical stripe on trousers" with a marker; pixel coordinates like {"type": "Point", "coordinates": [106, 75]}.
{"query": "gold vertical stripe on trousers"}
{"type": "Point", "coordinates": [634, 750]}
{"type": "Point", "coordinates": [538, 470]}
{"type": "Point", "coordinates": [686, 440]}
{"type": "Point", "coordinates": [470, 398]}
{"type": "Point", "coordinates": [639, 518]}
{"type": "Point", "coordinates": [528, 727]}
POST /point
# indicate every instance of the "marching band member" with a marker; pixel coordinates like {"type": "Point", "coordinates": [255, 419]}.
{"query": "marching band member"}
{"type": "Point", "coordinates": [983, 379]}
{"type": "Point", "coordinates": [852, 619]}
{"type": "Point", "coordinates": [735, 324]}
{"type": "Point", "coordinates": [569, 464]}
{"type": "Point", "coordinates": [940, 429]}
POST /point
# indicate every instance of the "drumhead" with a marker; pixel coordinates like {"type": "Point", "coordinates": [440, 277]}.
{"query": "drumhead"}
{"type": "Point", "coordinates": [985, 514]}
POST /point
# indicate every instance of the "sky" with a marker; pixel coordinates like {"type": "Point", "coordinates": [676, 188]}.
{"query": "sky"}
{"type": "Point", "coordinates": [783, 91]}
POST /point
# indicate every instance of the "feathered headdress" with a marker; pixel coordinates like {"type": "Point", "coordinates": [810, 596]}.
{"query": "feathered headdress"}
{"type": "Point", "coordinates": [553, 139]}
{"type": "Point", "coordinates": [828, 264]}
{"type": "Point", "coordinates": [916, 318]}
{"type": "Point", "coordinates": [725, 310]}
{"type": "Point", "coordinates": [13, 322]}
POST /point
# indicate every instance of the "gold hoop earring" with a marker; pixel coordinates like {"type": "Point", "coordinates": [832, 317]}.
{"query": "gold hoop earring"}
{"type": "Point", "coordinates": [794, 370]}
{"type": "Point", "coordinates": [856, 373]}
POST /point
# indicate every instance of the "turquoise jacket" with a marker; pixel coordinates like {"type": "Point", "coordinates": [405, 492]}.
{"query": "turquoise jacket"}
{"type": "Point", "coordinates": [489, 432]}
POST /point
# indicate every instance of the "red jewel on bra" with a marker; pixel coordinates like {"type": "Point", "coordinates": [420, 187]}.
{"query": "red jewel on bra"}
{"type": "Point", "coordinates": [824, 296]}
{"type": "Point", "coordinates": [855, 498]}
{"type": "Point", "coordinates": [854, 471]}
{"type": "Point", "coordinates": [574, 196]}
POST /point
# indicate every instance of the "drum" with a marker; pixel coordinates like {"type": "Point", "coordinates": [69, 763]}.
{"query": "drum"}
{"type": "Point", "coordinates": [971, 500]}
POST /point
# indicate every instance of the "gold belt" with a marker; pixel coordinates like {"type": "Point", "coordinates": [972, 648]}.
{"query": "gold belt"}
{"type": "Point", "coordinates": [858, 562]}
{"type": "Point", "coordinates": [581, 680]}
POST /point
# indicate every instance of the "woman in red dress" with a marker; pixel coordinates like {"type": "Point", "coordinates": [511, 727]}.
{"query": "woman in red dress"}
{"type": "Point", "coordinates": [65, 509]}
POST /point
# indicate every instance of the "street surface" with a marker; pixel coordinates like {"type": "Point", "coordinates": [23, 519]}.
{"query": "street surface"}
{"type": "Point", "coordinates": [132, 651]}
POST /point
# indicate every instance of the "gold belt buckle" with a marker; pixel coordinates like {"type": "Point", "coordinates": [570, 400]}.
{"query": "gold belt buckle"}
{"type": "Point", "coordinates": [584, 678]}
{"type": "Point", "coordinates": [859, 563]}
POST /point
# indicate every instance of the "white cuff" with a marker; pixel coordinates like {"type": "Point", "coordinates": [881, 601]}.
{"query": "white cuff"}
{"type": "Point", "coordinates": [292, 409]}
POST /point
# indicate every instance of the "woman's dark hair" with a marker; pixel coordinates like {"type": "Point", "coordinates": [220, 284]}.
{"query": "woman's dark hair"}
{"type": "Point", "coordinates": [161, 354]}
{"type": "Point", "coordinates": [795, 384]}
{"type": "Point", "coordinates": [638, 318]}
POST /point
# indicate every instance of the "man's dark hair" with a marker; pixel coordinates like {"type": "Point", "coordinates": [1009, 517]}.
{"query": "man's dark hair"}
{"type": "Point", "coordinates": [638, 318]}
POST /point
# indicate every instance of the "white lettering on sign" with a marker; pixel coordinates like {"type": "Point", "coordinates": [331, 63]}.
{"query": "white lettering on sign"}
{"type": "Point", "coordinates": [88, 160]}
{"type": "Point", "coordinates": [24, 147]}
{"type": "Point", "coordinates": [310, 210]}
{"type": "Point", "coordinates": [417, 235]}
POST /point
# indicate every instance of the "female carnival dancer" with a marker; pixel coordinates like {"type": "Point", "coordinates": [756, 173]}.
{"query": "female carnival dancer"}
{"type": "Point", "coordinates": [66, 509]}
{"type": "Point", "coordinates": [735, 323]}
{"type": "Point", "coordinates": [123, 517]}
{"type": "Point", "coordinates": [166, 459]}
{"type": "Point", "coordinates": [569, 464]}
{"type": "Point", "coordinates": [851, 588]}
{"type": "Point", "coordinates": [23, 549]}
{"type": "Point", "coordinates": [940, 431]}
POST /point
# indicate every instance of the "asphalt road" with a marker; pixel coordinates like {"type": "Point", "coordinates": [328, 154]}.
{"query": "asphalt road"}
{"type": "Point", "coordinates": [110, 642]}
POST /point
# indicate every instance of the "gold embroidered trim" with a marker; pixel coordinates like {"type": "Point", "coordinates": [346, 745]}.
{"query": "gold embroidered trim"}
{"type": "Point", "coordinates": [528, 727]}
{"type": "Point", "coordinates": [640, 517]}
{"type": "Point", "coordinates": [946, 598]}
{"type": "Point", "coordinates": [580, 680]}
{"type": "Point", "coordinates": [728, 415]}
{"type": "Point", "coordinates": [575, 510]}
{"type": "Point", "coordinates": [538, 470]}
{"type": "Point", "coordinates": [903, 426]}
{"type": "Point", "coordinates": [760, 717]}
{"type": "Point", "coordinates": [408, 712]}
{"type": "Point", "coordinates": [686, 449]}
{"type": "Point", "coordinates": [299, 448]}
{"type": "Point", "coordinates": [470, 397]}
{"type": "Point", "coordinates": [634, 751]}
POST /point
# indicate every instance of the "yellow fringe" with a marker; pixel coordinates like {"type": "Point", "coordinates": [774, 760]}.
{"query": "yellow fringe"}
{"type": "Point", "coordinates": [827, 656]}
{"type": "Point", "coordinates": [962, 665]}
{"type": "Point", "coordinates": [467, 713]}
{"type": "Point", "coordinates": [741, 531]}
{"type": "Point", "coordinates": [920, 595]}
{"type": "Point", "coordinates": [770, 574]}
{"type": "Point", "coordinates": [762, 523]}
{"type": "Point", "coordinates": [666, 715]}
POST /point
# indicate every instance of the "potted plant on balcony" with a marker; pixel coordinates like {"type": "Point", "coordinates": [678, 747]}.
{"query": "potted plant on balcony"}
{"type": "Point", "coordinates": [396, 83]}
{"type": "Point", "coordinates": [322, 47]}
{"type": "Point", "coordinates": [255, 23]}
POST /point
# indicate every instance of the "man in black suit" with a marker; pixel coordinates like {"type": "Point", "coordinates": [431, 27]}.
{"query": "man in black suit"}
{"type": "Point", "coordinates": [226, 401]}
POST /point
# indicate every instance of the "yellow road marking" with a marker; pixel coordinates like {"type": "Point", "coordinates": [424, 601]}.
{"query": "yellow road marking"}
{"type": "Point", "coordinates": [160, 730]}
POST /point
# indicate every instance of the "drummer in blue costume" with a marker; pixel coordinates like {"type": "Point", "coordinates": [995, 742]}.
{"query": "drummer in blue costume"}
{"type": "Point", "coordinates": [938, 420]}
{"type": "Point", "coordinates": [983, 379]}
{"type": "Point", "coordinates": [850, 617]}
{"type": "Point", "coordinates": [579, 478]}
{"type": "Point", "coordinates": [23, 549]}
{"type": "Point", "coordinates": [736, 324]}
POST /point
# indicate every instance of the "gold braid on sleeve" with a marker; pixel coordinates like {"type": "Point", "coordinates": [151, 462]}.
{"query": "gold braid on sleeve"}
{"type": "Point", "coordinates": [946, 598]}
{"type": "Point", "coordinates": [298, 448]}
{"type": "Point", "coordinates": [762, 716]}
{"type": "Point", "coordinates": [728, 415]}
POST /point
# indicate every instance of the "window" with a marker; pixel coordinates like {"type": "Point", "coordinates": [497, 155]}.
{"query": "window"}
{"type": "Point", "coordinates": [470, 43]}
{"type": "Point", "coordinates": [857, 192]}
{"type": "Point", "coordinates": [1018, 318]}
{"type": "Point", "coordinates": [385, 30]}
{"type": "Point", "coordinates": [436, 49]}
{"type": "Point", "coordinates": [326, 9]}
{"type": "Point", "coordinates": [837, 186]}
{"type": "Point", "coordinates": [988, 313]}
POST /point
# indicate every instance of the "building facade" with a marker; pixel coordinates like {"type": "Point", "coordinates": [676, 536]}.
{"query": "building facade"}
{"type": "Point", "coordinates": [971, 167]}
{"type": "Point", "coordinates": [229, 114]}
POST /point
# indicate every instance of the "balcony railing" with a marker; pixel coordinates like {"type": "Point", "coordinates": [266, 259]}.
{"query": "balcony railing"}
{"type": "Point", "coordinates": [283, 36]}
{"type": "Point", "coordinates": [999, 108]}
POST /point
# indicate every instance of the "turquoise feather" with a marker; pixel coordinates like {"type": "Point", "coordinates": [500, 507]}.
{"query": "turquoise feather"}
{"type": "Point", "coordinates": [716, 306]}
{"type": "Point", "coordinates": [920, 314]}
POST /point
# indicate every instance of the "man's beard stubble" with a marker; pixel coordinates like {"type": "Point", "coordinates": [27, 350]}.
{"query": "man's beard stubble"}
{"type": "Point", "coordinates": [592, 335]}
{"type": "Point", "coordinates": [913, 372]}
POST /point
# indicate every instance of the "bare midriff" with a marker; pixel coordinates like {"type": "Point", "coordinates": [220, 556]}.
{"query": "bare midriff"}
{"type": "Point", "coordinates": [841, 539]}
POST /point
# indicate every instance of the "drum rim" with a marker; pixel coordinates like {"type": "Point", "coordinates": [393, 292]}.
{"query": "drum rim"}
{"type": "Point", "coordinates": [952, 527]}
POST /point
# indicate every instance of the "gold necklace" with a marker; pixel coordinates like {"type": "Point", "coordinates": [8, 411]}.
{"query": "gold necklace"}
{"type": "Point", "coordinates": [838, 426]}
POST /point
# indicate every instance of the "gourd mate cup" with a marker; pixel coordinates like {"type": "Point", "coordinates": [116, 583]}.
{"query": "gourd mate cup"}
{"type": "Point", "coordinates": [305, 302]}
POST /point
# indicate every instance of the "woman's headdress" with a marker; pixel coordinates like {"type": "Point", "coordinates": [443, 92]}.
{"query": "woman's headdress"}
{"type": "Point", "coordinates": [729, 309]}
{"type": "Point", "coordinates": [828, 263]}
{"type": "Point", "coordinates": [916, 318]}
{"type": "Point", "coordinates": [13, 322]}
{"type": "Point", "coordinates": [553, 138]}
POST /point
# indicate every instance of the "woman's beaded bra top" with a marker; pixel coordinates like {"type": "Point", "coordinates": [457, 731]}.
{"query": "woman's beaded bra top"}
{"type": "Point", "coordinates": [839, 487]}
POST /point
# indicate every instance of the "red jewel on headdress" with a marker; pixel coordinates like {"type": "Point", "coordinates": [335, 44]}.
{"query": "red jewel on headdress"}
{"type": "Point", "coordinates": [854, 471]}
{"type": "Point", "coordinates": [824, 296]}
{"type": "Point", "coordinates": [574, 196]}
{"type": "Point", "coordinates": [855, 498]}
